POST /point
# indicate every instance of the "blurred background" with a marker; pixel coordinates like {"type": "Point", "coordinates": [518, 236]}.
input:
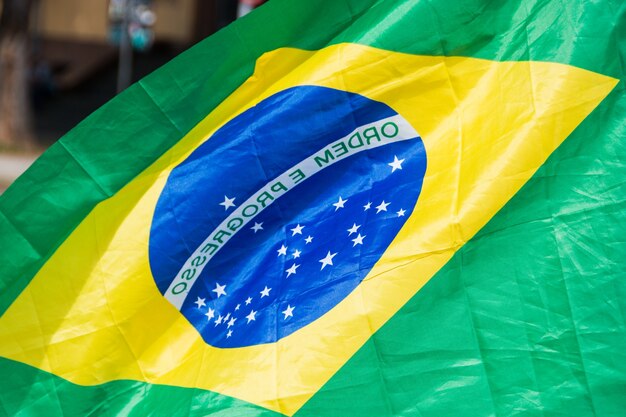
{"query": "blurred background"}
{"type": "Point", "coordinates": [62, 59]}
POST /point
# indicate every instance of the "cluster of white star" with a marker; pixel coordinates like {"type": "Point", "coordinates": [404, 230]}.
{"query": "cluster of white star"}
{"type": "Point", "coordinates": [229, 319]}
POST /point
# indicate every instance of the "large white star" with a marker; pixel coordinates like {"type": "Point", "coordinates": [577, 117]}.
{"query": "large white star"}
{"type": "Point", "coordinates": [401, 212]}
{"type": "Point", "coordinates": [396, 164]}
{"type": "Point", "coordinates": [297, 230]}
{"type": "Point", "coordinates": [328, 260]}
{"type": "Point", "coordinates": [251, 316]}
{"type": "Point", "coordinates": [228, 202]}
{"type": "Point", "coordinates": [265, 292]}
{"type": "Point", "coordinates": [200, 302]}
{"type": "Point", "coordinates": [353, 229]}
{"type": "Point", "coordinates": [210, 314]}
{"type": "Point", "coordinates": [296, 254]}
{"type": "Point", "coordinates": [382, 207]}
{"type": "Point", "coordinates": [257, 227]}
{"type": "Point", "coordinates": [288, 312]}
{"type": "Point", "coordinates": [219, 290]}
{"type": "Point", "coordinates": [231, 322]}
{"type": "Point", "coordinates": [339, 204]}
{"type": "Point", "coordinates": [358, 240]}
{"type": "Point", "coordinates": [309, 239]}
{"type": "Point", "coordinates": [291, 270]}
{"type": "Point", "coordinates": [282, 250]}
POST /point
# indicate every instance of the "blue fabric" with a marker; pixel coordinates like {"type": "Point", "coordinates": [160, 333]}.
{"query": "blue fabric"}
{"type": "Point", "coordinates": [247, 153]}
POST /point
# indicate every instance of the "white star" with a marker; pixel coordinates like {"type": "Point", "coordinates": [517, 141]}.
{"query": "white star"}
{"type": "Point", "coordinates": [210, 314]}
{"type": "Point", "coordinates": [229, 334]}
{"type": "Point", "coordinates": [219, 290]}
{"type": "Point", "coordinates": [231, 322]}
{"type": "Point", "coordinates": [257, 227]}
{"type": "Point", "coordinates": [297, 230]}
{"type": "Point", "coordinates": [219, 320]}
{"type": "Point", "coordinates": [226, 318]}
{"type": "Point", "coordinates": [248, 300]}
{"type": "Point", "coordinates": [265, 292]}
{"type": "Point", "coordinates": [200, 302]}
{"type": "Point", "coordinates": [382, 207]}
{"type": "Point", "coordinates": [251, 316]}
{"type": "Point", "coordinates": [401, 212]}
{"type": "Point", "coordinates": [328, 260]}
{"type": "Point", "coordinates": [288, 312]}
{"type": "Point", "coordinates": [237, 307]}
{"type": "Point", "coordinates": [367, 206]}
{"type": "Point", "coordinates": [396, 164]}
{"type": "Point", "coordinates": [358, 240]}
{"type": "Point", "coordinates": [339, 204]}
{"type": "Point", "coordinates": [228, 202]}
{"type": "Point", "coordinates": [353, 229]}
{"type": "Point", "coordinates": [291, 270]}
{"type": "Point", "coordinates": [296, 254]}
{"type": "Point", "coordinates": [282, 250]}
{"type": "Point", "coordinates": [309, 239]}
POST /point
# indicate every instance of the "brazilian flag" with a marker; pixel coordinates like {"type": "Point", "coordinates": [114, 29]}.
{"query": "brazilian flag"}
{"type": "Point", "coordinates": [336, 208]}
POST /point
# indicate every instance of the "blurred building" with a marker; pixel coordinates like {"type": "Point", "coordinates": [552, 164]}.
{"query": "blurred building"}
{"type": "Point", "coordinates": [178, 21]}
{"type": "Point", "coordinates": [75, 51]}
{"type": "Point", "coordinates": [76, 38]}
